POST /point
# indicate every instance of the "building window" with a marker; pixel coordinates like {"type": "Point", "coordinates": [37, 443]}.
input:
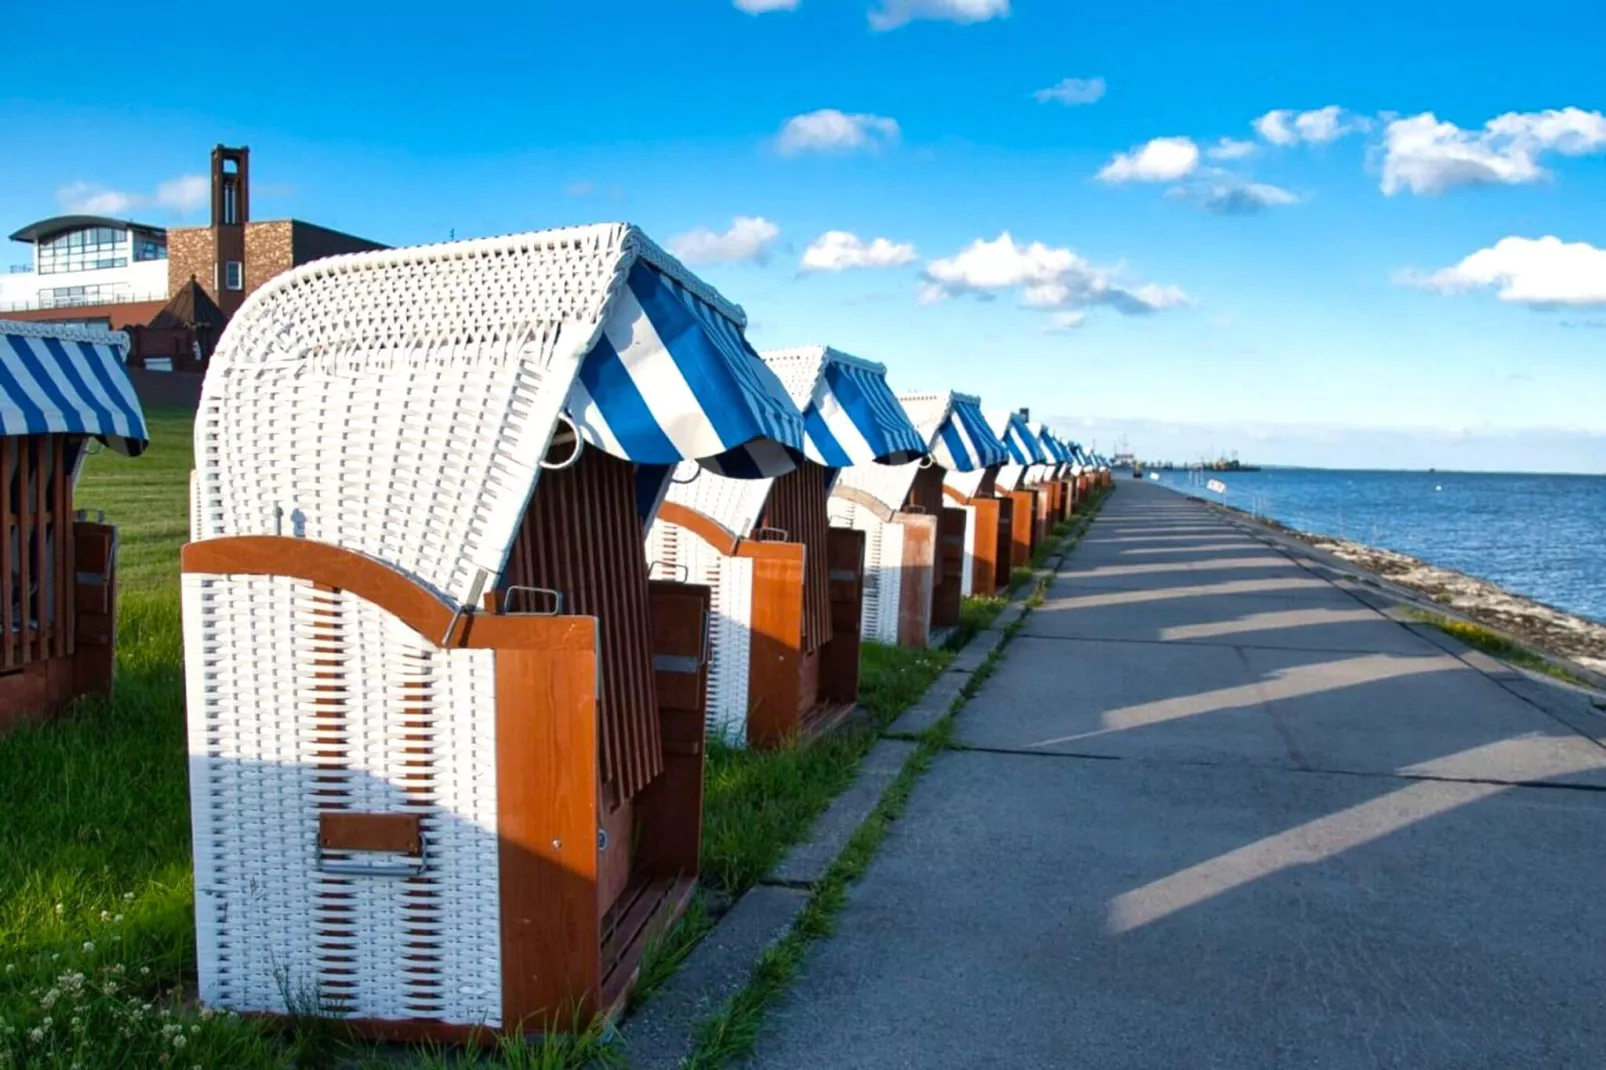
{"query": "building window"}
{"type": "Point", "coordinates": [233, 275]}
{"type": "Point", "coordinates": [231, 203]}
{"type": "Point", "coordinates": [89, 249]}
{"type": "Point", "coordinates": [150, 249]}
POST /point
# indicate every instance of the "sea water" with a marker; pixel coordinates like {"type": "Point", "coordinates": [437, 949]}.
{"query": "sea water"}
{"type": "Point", "coordinates": [1535, 535]}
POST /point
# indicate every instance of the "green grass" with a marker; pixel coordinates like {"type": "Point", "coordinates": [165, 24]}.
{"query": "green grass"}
{"type": "Point", "coordinates": [94, 832]}
{"type": "Point", "coordinates": [148, 498]}
{"type": "Point", "coordinates": [1498, 646]}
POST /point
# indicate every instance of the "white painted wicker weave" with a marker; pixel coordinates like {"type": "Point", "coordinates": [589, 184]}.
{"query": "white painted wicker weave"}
{"type": "Point", "coordinates": [966, 483]}
{"type": "Point", "coordinates": [967, 574]}
{"type": "Point", "coordinates": [888, 484]}
{"type": "Point", "coordinates": [883, 567]}
{"type": "Point", "coordinates": [675, 553]}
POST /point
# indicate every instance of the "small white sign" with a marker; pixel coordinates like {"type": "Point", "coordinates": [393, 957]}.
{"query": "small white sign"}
{"type": "Point", "coordinates": [1216, 486]}
{"type": "Point", "coordinates": [1155, 476]}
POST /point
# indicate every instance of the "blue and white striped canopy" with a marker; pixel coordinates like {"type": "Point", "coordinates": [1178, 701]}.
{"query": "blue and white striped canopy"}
{"type": "Point", "coordinates": [1018, 439]}
{"type": "Point", "coordinates": [1056, 450]}
{"type": "Point", "coordinates": [850, 416]}
{"type": "Point", "coordinates": [68, 380]}
{"type": "Point", "coordinates": [671, 378]}
{"type": "Point", "coordinates": [964, 442]}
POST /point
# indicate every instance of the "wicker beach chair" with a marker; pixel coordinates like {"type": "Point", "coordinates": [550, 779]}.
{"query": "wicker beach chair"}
{"type": "Point", "coordinates": [1015, 485]}
{"type": "Point", "coordinates": [788, 586]}
{"type": "Point", "coordinates": [446, 733]}
{"type": "Point", "coordinates": [927, 539]}
{"type": "Point", "coordinates": [61, 388]}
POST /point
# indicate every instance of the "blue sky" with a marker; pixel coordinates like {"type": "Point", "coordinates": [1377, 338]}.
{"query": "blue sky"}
{"type": "Point", "coordinates": [1319, 312]}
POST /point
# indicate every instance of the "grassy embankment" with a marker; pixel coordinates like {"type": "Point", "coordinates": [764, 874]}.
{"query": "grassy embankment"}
{"type": "Point", "coordinates": [97, 949]}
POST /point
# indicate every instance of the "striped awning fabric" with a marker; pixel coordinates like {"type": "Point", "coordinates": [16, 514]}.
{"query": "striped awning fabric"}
{"type": "Point", "coordinates": [1018, 438]}
{"type": "Point", "coordinates": [72, 380]}
{"type": "Point", "coordinates": [850, 416]}
{"type": "Point", "coordinates": [1057, 452]}
{"type": "Point", "coordinates": [959, 437]}
{"type": "Point", "coordinates": [671, 378]}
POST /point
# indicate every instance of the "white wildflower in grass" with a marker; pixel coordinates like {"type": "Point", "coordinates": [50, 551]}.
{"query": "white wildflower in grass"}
{"type": "Point", "coordinates": [144, 971]}
{"type": "Point", "coordinates": [117, 919]}
{"type": "Point", "coordinates": [36, 1034]}
{"type": "Point", "coordinates": [105, 915]}
{"type": "Point", "coordinates": [180, 1040]}
{"type": "Point", "coordinates": [61, 909]}
{"type": "Point", "coordinates": [128, 897]}
{"type": "Point", "coordinates": [207, 1014]}
{"type": "Point", "coordinates": [89, 947]}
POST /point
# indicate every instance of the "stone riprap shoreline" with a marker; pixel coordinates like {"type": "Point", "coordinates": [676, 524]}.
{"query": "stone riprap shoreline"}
{"type": "Point", "coordinates": [1556, 631]}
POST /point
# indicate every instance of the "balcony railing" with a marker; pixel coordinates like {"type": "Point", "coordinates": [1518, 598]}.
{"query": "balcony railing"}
{"type": "Point", "coordinates": [41, 304]}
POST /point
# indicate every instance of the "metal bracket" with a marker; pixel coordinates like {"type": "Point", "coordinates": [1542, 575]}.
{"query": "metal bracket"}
{"type": "Point", "coordinates": [574, 454]}
{"type": "Point", "coordinates": [557, 600]}
{"type": "Point", "coordinates": [769, 534]}
{"type": "Point", "coordinates": [466, 608]}
{"type": "Point", "coordinates": [683, 571]}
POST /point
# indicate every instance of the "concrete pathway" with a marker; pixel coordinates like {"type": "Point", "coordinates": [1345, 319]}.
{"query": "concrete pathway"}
{"type": "Point", "coordinates": [1217, 812]}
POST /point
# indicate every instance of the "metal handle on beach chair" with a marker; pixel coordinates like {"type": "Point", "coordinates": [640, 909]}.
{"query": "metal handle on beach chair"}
{"type": "Point", "coordinates": [768, 534]}
{"type": "Point", "coordinates": [557, 600]}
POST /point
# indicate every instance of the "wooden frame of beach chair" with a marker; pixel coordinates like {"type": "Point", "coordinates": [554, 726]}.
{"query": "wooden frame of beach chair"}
{"type": "Point", "coordinates": [446, 734]}
{"type": "Point", "coordinates": [58, 569]}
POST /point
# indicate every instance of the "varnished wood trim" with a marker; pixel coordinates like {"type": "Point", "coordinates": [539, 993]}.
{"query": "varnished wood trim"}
{"type": "Point", "coordinates": [704, 527]}
{"type": "Point", "coordinates": [862, 497]}
{"type": "Point", "coordinates": [374, 581]}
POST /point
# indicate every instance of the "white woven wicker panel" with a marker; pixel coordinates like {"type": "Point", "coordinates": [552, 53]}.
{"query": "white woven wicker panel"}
{"type": "Point", "coordinates": [302, 700]}
{"type": "Point", "coordinates": [195, 507]}
{"type": "Point", "coordinates": [966, 483]}
{"type": "Point", "coordinates": [735, 504]}
{"type": "Point", "coordinates": [1010, 477]}
{"type": "Point", "coordinates": [395, 402]}
{"type": "Point", "coordinates": [927, 411]}
{"type": "Point", "coordinates": [883, 568]}
{"type": "Point", "coordinates": [967, 574]}
{"type": "Point", "coordinates": [798, 370]}
{"type": "Point", "coordinates": [674, 553]}
{"type": "Point", "coordinates": [888, 483]}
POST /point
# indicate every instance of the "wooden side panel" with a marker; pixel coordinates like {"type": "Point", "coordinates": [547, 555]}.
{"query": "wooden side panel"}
{"type": "Point", "coordinates": [918, 583]}
{"type": "Point", "coordinates": [798, 506]}
{"type": "Point", "coordinates": [839, 660]}
{"type": "Point", "coordinates": [984, 571]}
{"type": "Point", "coordinates": [547, 761]}
{"type": "Point", "coordinates": [775, 662]}
{"type": "Point", "coordinates": [948, 588]}
{"type": "Point", "coordinates": [669, 811]}
{"type": "Point", "coordinates": [581, 537]}
{"type": "Point", "coordinates": [1023, 527]}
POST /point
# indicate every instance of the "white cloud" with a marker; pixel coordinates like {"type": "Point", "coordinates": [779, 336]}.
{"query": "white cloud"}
{"type": "Point", "coordinates": [1226, 195]}
{"type": "Point", "coordinates": [182, 195]}
{"type": "Point", "coordinates": [1165, 159]}
{"type": "Point", "coordinates": [1072, 91]}
{"type": "Point", "coordinates": [839, 250]}
{"type": "Point", "coordinates": [1065, 322]}
{"type": "Point", "coordinates": [830, 130]}
{"type": "Point", "coordinates": [748, 240]}
{"type": "Point", "coordinates": [1540, 272]}
{"type": "Point", "coordinates": [894, 13]}
{"type": "Point", "coordinates": [1287, 127]}
{"type": "Point", "coordinates": [758, 7]}
{"type": "Point", "coordinates": [1232, 149]}
{"type": "Point", "coordinates": [1427, 157]}
{"type": "Point", "coordinates": [1047, 278]}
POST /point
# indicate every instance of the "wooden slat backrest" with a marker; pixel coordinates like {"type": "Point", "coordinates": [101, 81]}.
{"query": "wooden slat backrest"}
{"type": "Point", "coordinates": [36, 573]}
{"type": "Point", "coordinates": [925, 494]}
{"type": "Point", "coordinates": [582, 538]}
{"type": "Point", "coordinates": [798, 506]}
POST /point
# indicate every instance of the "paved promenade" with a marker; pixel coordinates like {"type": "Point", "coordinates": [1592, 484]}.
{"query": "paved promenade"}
{"type": "Point", "coordinates": [1216, 811]}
